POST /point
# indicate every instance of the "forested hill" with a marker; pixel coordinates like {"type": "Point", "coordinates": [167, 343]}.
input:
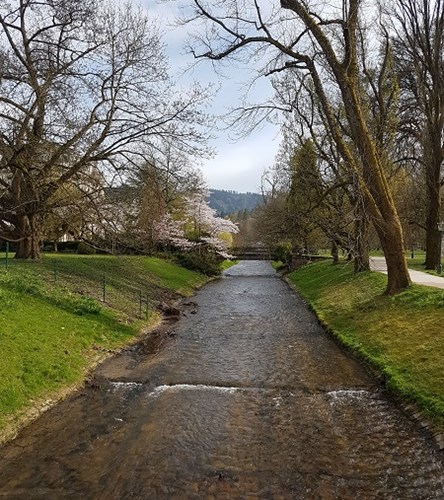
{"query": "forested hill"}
{"type": "Point", "coordinates": [229, 202]}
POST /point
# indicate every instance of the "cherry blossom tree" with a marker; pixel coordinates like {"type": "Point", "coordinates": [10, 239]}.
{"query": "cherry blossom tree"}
{"type": "Point", "coordinates": [196, 226]}
{"type": "Point", "coordinates": [204, 218]}
{"type": "Point", "coordinates": [171, 232]}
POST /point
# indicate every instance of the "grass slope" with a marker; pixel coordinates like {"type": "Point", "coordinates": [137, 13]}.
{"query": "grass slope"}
{"type": "Point", "coordinates": [402, 336]}
{"type": "Point", "coordinates": [54, 324]}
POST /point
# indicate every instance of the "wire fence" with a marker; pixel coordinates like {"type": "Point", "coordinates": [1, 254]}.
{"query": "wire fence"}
{"type": "Point", "coordinates": [134, 297]}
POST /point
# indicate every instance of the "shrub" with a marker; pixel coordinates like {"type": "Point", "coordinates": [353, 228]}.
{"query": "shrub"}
{"type": "Point", "coordinates": [12, 246]}
{"type": "Point", "coordinates": [85, 249]}
{"type": "Point", "coordinates": [283, 252]}
{"type": "Point", "coordinates": [206, 262]}
{"type": "Point", "coordinates": [24, 283]}
{"type": "Point", "coordinates": [67, 246]}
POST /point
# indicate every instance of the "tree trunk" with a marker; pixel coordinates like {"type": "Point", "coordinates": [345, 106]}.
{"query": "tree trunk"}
{"type": "Point", "coordinates": [362, 257]}
{"type": "Point", "coordinates": [30, 231]}
{"type": "Point", "coordinates": [335, 252]}
{"type": "Point", "coordinates": [433, 173]}
{"type": "Point", "coordinates": [377, 195]}
{"type": "Point", "coordinates": [393, 248]}
{"type": "Point", "coordinates": [361, 229]}
{"type": "Point", "coordinates": [432, 241]}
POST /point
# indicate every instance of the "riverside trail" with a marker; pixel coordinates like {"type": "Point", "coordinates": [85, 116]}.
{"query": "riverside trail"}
{"type": "Point", "coordinates": [249, 398]}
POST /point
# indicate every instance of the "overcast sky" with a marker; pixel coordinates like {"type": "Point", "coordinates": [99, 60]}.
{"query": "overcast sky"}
{"type": "Point", "coordinates": [237, 165]}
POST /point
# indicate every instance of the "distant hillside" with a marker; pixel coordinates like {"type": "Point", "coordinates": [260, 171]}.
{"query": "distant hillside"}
{"type": "Point", "coordinates": [229, 202]}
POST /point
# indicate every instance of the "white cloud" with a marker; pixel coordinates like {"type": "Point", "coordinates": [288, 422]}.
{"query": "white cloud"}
{"type": "Point", "coordinates": [237, 166]}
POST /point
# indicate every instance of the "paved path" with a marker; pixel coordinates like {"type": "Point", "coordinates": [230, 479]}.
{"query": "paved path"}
{"type": "Point", "coordinates": [378, 264]}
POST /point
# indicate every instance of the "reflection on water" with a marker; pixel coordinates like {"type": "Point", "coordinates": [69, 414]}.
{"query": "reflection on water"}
{"type": "Point", "coordinates": [250, 400]}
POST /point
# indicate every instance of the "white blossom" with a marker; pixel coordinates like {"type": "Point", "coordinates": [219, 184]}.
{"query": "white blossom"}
{"type": "Point", "coordinates": [207, 226]}
{"type": "Point", "coordinates": [169, 230]}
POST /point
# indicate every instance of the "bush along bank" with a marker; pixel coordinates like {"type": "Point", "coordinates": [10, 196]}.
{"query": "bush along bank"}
{"type": "Point", "coordinates": [402, 336]}
{"type": "Point", "coordinates": [60, 317]}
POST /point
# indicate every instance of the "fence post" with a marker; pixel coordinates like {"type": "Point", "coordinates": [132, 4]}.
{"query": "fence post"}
{"type": "Point", "coordinates": [146, 307]}
{"type": "Point", "coordinates": [140, 303]}
{"type": "Point", "coordinates": [104, 287]}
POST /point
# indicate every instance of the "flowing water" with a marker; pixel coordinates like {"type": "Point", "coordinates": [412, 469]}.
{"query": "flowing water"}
{"type": "Point", "coordinates": [249, 398]}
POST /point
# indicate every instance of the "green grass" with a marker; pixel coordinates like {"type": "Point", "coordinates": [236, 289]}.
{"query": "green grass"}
{"type": "Point", "coordinates": [226, 264]}
{"type": "Point", "coordinates": [54, 323]}
{"type": "Point", "coordinates": [402, 335]}
{"type": "Point", "coordinates": [48, 348]}
{"type": "Point", "coordinates": [171, 276]}
{"type": "Point", "coordinates": [126, 278]}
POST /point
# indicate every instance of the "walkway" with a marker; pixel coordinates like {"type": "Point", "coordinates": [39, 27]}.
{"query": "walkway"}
{"type": "Point", "coordinates": [418, 277]}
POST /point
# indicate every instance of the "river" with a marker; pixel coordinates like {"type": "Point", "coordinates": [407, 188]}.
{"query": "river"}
{"type": "Point", "coordinates": [248, 398]}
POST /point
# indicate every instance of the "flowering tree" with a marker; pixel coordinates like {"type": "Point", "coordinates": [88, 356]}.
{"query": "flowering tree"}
{"type": "Point", "coordinates": [171, 231]}
{"type": "Point", "coordinates": [204, 219]}
{"type": "Point", "coordinates": [196, 226]}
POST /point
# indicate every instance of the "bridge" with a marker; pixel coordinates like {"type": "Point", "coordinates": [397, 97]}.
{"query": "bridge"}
{"type": "Point", "coordinates": [251, 253]}
{"type": "Point", "coordinates": [262, 253]}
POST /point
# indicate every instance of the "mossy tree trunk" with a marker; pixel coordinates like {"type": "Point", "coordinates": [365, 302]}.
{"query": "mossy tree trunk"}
{"type": "Point", "coordinates": [433, 176]}
{"type": "Point", "coordinates": [335, 252]}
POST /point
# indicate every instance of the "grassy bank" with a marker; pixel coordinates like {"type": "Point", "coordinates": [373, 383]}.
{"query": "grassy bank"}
{"type": "Point", "coordinates": [60, 316]}
{"type": "Point", "coordinates": [402, 336]}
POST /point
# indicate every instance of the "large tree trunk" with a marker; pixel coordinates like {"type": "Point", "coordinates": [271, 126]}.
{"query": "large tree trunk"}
{"type": "Point", "coordinates": [335, 251]}
{"type": "Point", "coordinates": [433, 159]}
{"type": "Point", "coordinates": [30, 231]}
{"type": "Point", "coordinates": [393, 247]}
{"type": "Point", "coordinates": [376, 192]}
{"type": "Point", "coordinates": [432, 235]}
{"type": "Point", "coordinates": [361, 256]}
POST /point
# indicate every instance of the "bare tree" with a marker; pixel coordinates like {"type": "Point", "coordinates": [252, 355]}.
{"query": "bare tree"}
{"type": "Point", "coordinates": [419, 41]}
{"type": "Point", "coordinates": [336, 205]}
{"type": "Point", "coordinates": [323, 44]}
{"type": "Point", "coordinates": [81, 83]}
